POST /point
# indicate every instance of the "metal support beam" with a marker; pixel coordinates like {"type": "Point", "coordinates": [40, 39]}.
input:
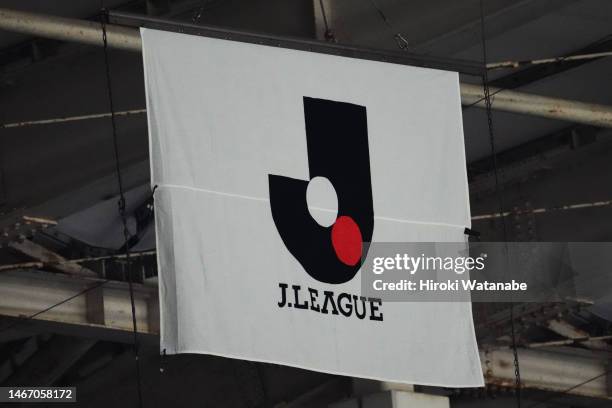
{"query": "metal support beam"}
{"type": "Point", "coordinates": [50, 258]}
{"type": "Point", "coordinates": [543, 106]}
{"type": "Point", "coordinates": [565, 329]}
{"type": "Point", "coordinates": [88, 32]}
{"type": "Point", "coordinates": [68, 29]}
{"type": "Point", "coordinates": [557, 371]}
{"type": "Point", "coordinates": [25, 293]}
{"type": "Point", "coordinates": [16, 226]}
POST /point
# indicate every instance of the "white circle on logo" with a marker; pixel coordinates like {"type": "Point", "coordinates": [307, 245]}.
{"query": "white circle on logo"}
{"type": "Point", "coordinates": [322, 201]}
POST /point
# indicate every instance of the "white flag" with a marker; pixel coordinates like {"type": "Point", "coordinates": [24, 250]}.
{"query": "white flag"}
{"type": "Point", "coordinates": [240, 135]}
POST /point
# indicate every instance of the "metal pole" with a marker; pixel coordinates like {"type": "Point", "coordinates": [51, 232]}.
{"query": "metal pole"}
{"type": "Point", "coordinates": [69, 29]}
{"type": "Point", "coordinates": [561, 370]}
{"type": "Point", "coordinates": [543, 106]}
{"type": "Point", "coordinates": [88, 32]}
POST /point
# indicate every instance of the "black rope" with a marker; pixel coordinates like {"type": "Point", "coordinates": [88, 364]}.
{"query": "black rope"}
{"type": "Point", "coordinates": [499, 193]}
{"type": "Point", "coordinates": [121, 203]}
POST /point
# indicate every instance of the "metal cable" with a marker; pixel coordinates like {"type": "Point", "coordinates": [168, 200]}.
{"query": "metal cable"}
{"type": "Point", "coordinates": [402, 43]}
{"type": "Point", "coordinates": [324, 15]}
{"type": "Point", "coordinates": [566, 391]}
{"type": "Point", "coordinates": [21, 320]}
{"type": "Point", "coordinates": [329, 34]}
{"type": "Point", "coordinates": [499, 193]}
{"type": "Point", "coordinates": [553, 60]}
{"type": "Point", "coordinates": [556, 60]}
{"type": "Point", "coordinates": [66, 119]}
{"type": "Point", "coordinates": [121, 203]}
{"type": "Point", "coordinates": [483, 98]}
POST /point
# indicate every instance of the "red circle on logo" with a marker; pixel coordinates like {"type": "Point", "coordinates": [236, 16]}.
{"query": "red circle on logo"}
{"type": "Point", "coordinates": [347, 240]}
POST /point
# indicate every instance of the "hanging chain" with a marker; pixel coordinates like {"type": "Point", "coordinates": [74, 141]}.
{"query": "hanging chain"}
{"type": "Point", "coordinates": [487, 99]}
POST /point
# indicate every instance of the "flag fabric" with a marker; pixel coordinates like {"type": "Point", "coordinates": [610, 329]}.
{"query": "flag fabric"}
{"type": "Point", "coordinates": [239, 133]}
